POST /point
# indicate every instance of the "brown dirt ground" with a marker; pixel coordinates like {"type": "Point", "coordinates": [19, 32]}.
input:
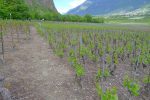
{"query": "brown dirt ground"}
{"type": "Point", "coordinates": [33, 72]}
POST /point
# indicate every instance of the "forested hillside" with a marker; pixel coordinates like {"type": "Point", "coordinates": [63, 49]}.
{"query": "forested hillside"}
{"type": "Point", "coordinates": [21, 9]}
{"type": "Point", "coordinates": [14, 9]}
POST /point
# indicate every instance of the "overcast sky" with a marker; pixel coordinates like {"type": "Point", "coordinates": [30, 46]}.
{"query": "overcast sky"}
{"type": "Point", "coordinates": [64, 5]}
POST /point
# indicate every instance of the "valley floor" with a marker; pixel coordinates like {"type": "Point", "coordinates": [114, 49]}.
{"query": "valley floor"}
{"type": "Point", "coordinates": [32, 72]}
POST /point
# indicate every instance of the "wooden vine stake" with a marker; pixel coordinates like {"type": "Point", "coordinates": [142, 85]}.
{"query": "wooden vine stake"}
{"type": "Point", "coordinates": [2, 43]}
{"type": "Point", "coordinates": [12, 39]}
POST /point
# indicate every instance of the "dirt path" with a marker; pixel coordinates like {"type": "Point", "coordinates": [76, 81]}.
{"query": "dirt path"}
{"type": "Point", "coordinates": [33, 72]}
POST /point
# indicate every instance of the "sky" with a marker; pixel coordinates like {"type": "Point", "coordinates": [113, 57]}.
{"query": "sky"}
{"type": "Point", "coordinates": [65, 5]}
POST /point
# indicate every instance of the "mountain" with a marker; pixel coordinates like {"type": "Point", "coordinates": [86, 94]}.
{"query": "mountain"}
{"type": "Point", "coordinates": [41, 8]}
{"type": "Point", "coordinates": [106, 7]}
{"type": "Point", "coordinates": [42, 4]}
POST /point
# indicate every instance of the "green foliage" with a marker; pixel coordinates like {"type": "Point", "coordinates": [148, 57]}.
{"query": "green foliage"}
{"type": "Point", "coordinates": [99, 89]}
{"type": "Point", "coordinates": [98, 20]}
{"type": "Point", "coordinates": [93, 57]}
{"type": "Point", "coordinates": [72, 58]}
{"type": "Point", "coordinates": [144, 58]}
{"type": "Point", "coordinates": [101, 52]}
{"type": "Point", "coordinates": [109, 94]}
{"type": "Point", "coordinates": [108, 59]}
{"type": "Point", "coordinates": [79, 69]}
{"type": "Point", "coordinates": [108, 48]}
{"type": "Point", "coordinates": [146, 80]}
{"type": "Point", "coordinates": [132, 86]}
{"type": "Point", "coordinates": [15, 9]}
{"type": "Point", "coordinates": [60, 53]}
{"type": "Point", "coordinates": [106, 72]}
{"type": "Point", "coordinates": [77, 18]}
{"type": "Point", "coordinates": [73, 42]}
{"type": "Point", "coordinates": [115, 58]}
{"type": "Point", "coordinates": [88, 18]}
{"type": "Point", "coordinates": [120, 50]}
{"type": "Point", "coordinates": [83, 51]}
{"type": "Point", "coordinates": [101, 74]}
{"type": "Point", "coordinates": [129, 47]}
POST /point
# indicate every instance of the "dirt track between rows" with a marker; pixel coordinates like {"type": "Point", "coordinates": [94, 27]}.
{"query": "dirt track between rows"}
{"type": "Point", "coordinates": [33, 72]}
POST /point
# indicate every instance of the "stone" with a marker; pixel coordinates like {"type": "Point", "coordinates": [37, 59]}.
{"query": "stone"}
{"type": "Point", "coordinates": [1, 81]}
{"type": "Point", "coordinates": [5, 94]}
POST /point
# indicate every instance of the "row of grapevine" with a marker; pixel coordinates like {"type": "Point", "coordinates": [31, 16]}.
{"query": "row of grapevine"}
{"type": "Point", "coordinates": [11, 34]}
{"type": "Point", "coordinates": [106, 48]}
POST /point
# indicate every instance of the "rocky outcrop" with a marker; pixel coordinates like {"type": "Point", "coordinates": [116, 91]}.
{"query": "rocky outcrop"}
{"type": "Point", "coordinates": [48, 4]}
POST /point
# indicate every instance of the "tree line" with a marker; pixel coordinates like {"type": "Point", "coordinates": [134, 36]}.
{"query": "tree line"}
{"type": "Point", "coordinates": [18, 9]}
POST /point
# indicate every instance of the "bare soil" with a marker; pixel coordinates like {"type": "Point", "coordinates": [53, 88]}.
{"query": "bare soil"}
{"type": "Point", "coordinates": [33, 72]}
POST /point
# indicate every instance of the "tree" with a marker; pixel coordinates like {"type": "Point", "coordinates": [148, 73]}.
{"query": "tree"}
{"type": "Point", "coordinates": [88, 18]}
{"type": "Point", "coordinates": [17, 8]}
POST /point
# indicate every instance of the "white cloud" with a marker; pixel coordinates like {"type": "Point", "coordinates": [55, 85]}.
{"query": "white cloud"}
{"type": "Point", "coordinates": [62, 10]}
{"type": "Point", "coordinates": [75, 3]}
{"type": "Point", "coordinates": [71, 5]}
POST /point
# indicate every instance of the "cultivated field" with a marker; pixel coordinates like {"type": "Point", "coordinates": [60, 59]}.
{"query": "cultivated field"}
{"type": "Point", "coordinates": [74, 61]}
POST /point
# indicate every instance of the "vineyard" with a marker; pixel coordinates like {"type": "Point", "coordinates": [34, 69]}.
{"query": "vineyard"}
{"type": "Point", "coordinates": [11, 34]}
{"type": "Point", "coordinates": [116, 60]}
{"type": "Point", "coordinates": [109, 62]}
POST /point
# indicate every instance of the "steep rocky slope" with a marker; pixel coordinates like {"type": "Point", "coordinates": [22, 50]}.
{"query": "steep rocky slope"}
{"type": "Point", "coordinates": [44, 4]}
{"type": "Point", "coordinates": [104, 7]}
